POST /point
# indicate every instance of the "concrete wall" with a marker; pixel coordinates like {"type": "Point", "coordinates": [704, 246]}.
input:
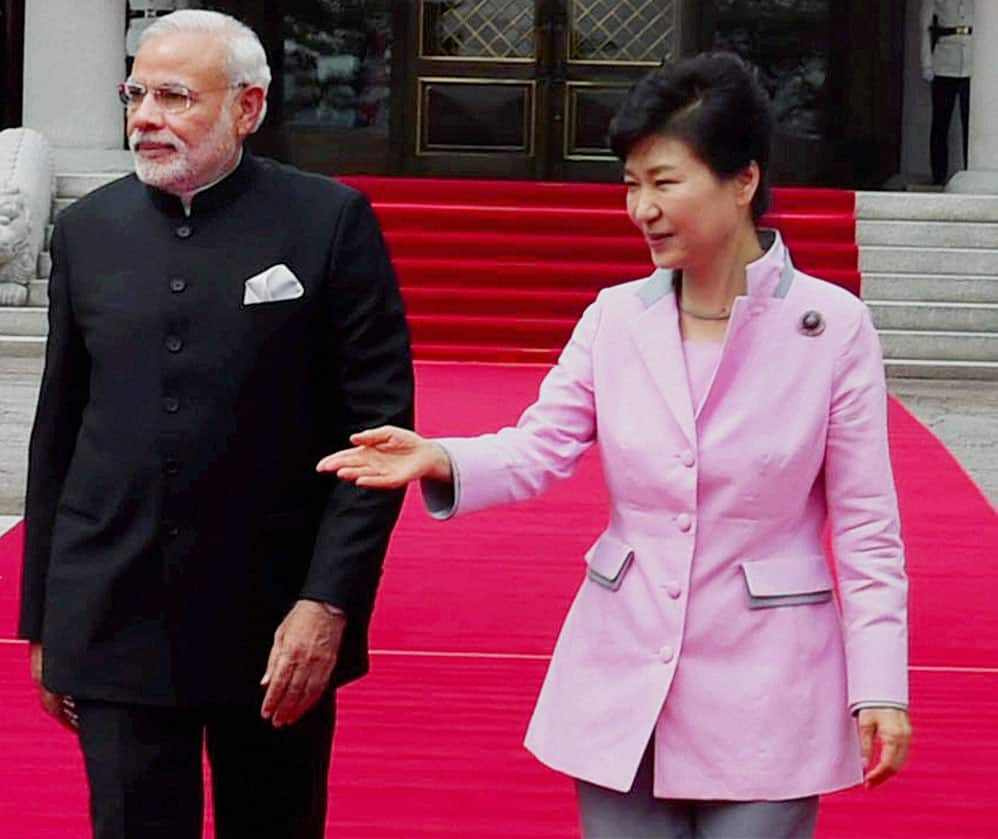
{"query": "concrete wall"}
{"type": "Point", "coordinates": [74, 57]}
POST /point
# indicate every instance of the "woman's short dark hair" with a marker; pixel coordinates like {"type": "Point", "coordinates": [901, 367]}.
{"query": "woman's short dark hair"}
{"type": "Point", "coordinates": [712, 102]}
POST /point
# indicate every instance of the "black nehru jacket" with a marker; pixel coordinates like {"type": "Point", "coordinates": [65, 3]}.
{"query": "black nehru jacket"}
{"type": "Point", "coordinates": [173, 511]}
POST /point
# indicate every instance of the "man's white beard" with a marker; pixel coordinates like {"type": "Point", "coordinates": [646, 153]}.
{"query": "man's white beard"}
{"type": "Point", "coordinates": [188, 168]}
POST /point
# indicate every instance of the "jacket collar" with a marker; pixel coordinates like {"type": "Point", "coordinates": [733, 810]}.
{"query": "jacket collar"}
{"type": "Point", "coordinates": [215, 196]}
{"type": "Point", "coordinates": [655, 331]}
{"type": "Point", "coordinates": [771, 275]}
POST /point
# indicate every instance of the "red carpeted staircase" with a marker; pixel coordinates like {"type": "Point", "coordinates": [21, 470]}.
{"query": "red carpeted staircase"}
{"type": "Point", "coordinates": [501, 270]}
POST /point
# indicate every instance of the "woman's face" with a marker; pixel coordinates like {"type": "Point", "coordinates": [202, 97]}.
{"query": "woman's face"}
{"type": "Point", "coordinates": [685, 211]}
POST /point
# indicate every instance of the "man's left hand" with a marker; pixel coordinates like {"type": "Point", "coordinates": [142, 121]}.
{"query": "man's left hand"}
{"type": "Point", "coordinates": [301, 661]}
{"type": "Point", "coordinates": [892, 729]}
{"type": "Point", "coordinates": [61, 708]}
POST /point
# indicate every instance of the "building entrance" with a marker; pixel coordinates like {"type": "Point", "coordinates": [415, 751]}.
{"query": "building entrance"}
{"type": "Point", "coordinates": [333, 105]}
{"type": "Point", "coordinates": [525, 88]}
{"type": "Point", "coordinates": [468, 88]}
{"type": "Point", "coordinates": [834, 69]}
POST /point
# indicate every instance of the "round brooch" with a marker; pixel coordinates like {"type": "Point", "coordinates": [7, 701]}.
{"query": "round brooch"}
{"type": "Point", "coordinates": [812, 323]}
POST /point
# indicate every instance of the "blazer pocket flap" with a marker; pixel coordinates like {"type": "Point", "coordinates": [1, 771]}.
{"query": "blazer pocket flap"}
{"type": "Point", "coordinates": [608, 561]}
{"type": "Point", "coordinates": [789, 577]}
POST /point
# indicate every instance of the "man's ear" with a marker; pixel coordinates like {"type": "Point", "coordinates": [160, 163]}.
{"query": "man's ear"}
{"type": "Point", "coordinates": [250, 104]}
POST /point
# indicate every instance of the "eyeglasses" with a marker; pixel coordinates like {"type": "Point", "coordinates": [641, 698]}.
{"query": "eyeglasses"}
{"type": "Point", "coordinates": [171, 98]}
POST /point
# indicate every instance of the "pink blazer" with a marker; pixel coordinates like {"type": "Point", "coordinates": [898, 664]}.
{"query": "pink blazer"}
{"type": "Point", "coordinates": [707, 619]}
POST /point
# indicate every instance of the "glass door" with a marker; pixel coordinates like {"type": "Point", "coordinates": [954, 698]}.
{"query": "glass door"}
{"type": "Point", "coordinates": [834, 69]}
{"type": "Point", "coordinates": [461, 88]}
{"type": "Point", "coordinates": [600, 48]}
{"type": "Point", "coordinates": [331, 102]}
{"type": "Point", "coordinates": [526, 88]}
{"type": "Point", "coordinates": [475, 102]}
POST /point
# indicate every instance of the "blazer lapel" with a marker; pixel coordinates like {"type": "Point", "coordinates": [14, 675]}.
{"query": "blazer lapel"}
{"type": "Point", "coordinates": [655, 333]}
{"type": "Point", "coordinates": [748, 322]}
{"type": "Point", "coordinates": [768, 282]}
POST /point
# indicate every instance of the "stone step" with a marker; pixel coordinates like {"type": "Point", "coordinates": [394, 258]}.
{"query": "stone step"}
{"type": "Point", "coordinates": [38, 293]}
{"type": "Point", "coordinates": [935, 317]}
{"type": "Point", "coordinates": [928, 234]}
{"type": "Point", "coordinates": [900, 260]}
{"type": "Point", "coordinates": [912, 206]}
{"type": "Point", "coordinates": [919, 287]}
{"type": "Point", "coordinates": [24, 321]}
{"type": "Point", "coordinates": [950, 288]}
{"type": "Point", "coordinates": [887, 314]}
{"type": "Point", "coordinates": [907, 330]}
{"type": "Point", "coordinates": [33, 346]}
{"type": "Point", "coordinates": [28, 346]}
{"type": "Point", "coordinates": [60, 204]}
{"type": "Point", "coordinates": [78, 184]}
{"type": "Point", "coordinates": [912, 368]}
{"type": "Point", "coordinates": [886, 206]}
{"type": "Point", "coordinates": [922, 345]}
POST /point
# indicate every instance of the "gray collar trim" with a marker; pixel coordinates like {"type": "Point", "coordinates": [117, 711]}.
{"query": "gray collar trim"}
{"type": "Point", "coordinates": [657, 286]}
{"type": "Point", "coordinates": [786, 278]}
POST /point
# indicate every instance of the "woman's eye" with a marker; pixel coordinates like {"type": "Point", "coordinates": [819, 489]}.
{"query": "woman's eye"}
{"type": "Point", "coordinates": [665, 182]}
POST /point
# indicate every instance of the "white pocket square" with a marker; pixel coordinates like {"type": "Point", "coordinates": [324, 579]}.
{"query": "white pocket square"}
{"type": "Point", "coordinates": [270, 286]}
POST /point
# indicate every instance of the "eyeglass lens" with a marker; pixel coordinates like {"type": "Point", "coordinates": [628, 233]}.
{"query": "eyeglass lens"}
{"type": "Point", "coordinates": [167, 98]}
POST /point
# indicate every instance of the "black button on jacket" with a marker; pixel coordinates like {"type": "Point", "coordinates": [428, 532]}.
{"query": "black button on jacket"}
{"type": "Point", "coordinates": [173, 510]}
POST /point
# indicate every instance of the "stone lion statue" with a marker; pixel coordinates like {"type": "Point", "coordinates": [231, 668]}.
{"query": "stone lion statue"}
{"type": "Point", "coordinates": [26, 186]}
{"type": "Point", "coordinates": [17, 263]}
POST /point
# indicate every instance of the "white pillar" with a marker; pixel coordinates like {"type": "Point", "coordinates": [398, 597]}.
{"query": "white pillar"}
{"type": "Point", "coordinates": [74, 57]}
{"type": "Point", "coordinates": [982, 173]}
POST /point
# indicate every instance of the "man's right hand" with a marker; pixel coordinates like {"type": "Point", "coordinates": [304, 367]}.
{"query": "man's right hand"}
{"type": "Point", "coordinates": [62, 708]}
{"type": "Point", "coordinates": [928, 74]}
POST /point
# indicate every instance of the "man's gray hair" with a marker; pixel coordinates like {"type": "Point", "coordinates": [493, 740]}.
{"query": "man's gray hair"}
{"type": "Point", "coordinates": [247, 59]}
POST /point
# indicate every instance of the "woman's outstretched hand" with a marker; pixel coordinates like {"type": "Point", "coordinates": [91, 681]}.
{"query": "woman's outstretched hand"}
{"type": "Point", "coordinates": [388, 457]}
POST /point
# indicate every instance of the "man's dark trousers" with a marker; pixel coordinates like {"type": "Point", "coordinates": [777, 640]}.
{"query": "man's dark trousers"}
{"type": "Point", "coordinates": [144, 765]}
{"type": "Point", "coordinates": [945, 90]}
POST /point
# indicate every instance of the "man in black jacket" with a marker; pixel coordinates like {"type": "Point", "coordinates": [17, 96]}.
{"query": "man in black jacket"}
{"type": "Point", "coordinates": [217, 323]}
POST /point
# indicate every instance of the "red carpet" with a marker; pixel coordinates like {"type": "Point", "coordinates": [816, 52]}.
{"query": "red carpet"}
{"type": "Point", "coordinates": [428, 745]}
{"type": "Point", "coordinates": [501, 270]}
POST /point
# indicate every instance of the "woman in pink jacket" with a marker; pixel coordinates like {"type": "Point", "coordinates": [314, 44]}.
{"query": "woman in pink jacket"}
{"type": "Point", "coordinates": [707, 682]}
